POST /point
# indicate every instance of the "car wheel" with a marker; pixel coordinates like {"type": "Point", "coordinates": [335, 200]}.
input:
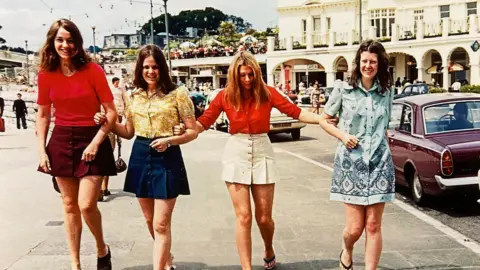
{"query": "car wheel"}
{"type": "Point", "coordinates": [296, 134]}
{"type": "Point", "coordinates": [416, 187]}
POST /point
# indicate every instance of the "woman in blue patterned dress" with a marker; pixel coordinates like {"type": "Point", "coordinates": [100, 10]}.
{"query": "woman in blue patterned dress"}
{"type": "Point", "coordinates": [363, 175]}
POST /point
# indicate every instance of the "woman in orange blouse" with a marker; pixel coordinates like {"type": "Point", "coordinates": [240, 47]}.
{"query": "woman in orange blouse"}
{"type": "Point", "coordinates": [248, 161]}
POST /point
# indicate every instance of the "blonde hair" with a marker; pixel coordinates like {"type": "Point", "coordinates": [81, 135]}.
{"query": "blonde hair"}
{"type": "Point", "coordinates": [233, 92]}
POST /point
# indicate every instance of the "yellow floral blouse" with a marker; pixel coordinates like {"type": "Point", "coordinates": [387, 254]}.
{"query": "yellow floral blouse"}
{"type": "Point", "coordinates": [156, 116]}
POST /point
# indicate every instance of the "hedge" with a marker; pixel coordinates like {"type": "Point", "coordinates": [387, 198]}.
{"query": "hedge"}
{"type": "Point", "coordinates": [470, 89]}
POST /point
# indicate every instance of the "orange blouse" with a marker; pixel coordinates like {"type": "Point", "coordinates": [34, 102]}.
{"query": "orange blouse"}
{"type": "Point", "coordinates": [249, 119]}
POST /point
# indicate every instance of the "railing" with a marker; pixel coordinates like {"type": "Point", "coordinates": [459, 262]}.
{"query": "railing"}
{"type": "Point", "coordinates": [432, 29]}
{"type": "Point", "coordinates": [299, 42]}
{"type": "Point", "coordinates": [280, 44]}
{"type": "Point", "coordinates": [356, 37]}
{"type": "Point", "coordinates": [406, 32]}
{"type": "Point", "coordinates": [458, 27]}
{"type": "Point", "coordinates": [341, 39]}
{"type": "Point", "coordinates": [320, 40]}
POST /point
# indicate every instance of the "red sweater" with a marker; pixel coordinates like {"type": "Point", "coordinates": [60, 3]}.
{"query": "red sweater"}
{"type": "Point", "coordinates": [249, 119]}
{"type": "Point", "coordinates": [77, 98]}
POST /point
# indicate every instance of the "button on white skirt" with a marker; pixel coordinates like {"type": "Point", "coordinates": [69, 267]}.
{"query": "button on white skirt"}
{"type": "Point", "coordinates": [249, 159]}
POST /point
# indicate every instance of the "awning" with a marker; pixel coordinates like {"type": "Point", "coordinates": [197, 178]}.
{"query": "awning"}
{"type": "Point", "coordinates": [435, 69]}
{"type": "Point", "coordinates": [457, 67]}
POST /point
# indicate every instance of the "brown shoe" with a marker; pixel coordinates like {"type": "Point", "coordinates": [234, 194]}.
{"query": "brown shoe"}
{"type": "Point", "coordinates": [100, 197]}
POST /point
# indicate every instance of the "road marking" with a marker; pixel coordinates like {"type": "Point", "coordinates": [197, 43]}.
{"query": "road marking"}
{"type": "Point", "coordinates": [457, 236]}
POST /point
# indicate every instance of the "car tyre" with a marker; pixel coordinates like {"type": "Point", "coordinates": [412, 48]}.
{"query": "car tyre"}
{"type": "Point", "coordinates": [416, 187]}
{"type": "Point", "coordinates": [296, 134]}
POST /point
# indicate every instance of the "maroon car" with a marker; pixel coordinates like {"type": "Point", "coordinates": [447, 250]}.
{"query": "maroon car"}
{"type": "Point", "coordinates": [435, 142]}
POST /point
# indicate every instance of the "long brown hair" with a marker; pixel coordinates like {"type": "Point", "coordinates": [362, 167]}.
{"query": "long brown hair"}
{"type": "Point", "coordinates": [383, 74]}
{"type": "Point", "coordinates": [50, 60]}
{"type": "Point", "coordinates": [165, 83]}
{"type": "Point", "coordinates": [233, 91]}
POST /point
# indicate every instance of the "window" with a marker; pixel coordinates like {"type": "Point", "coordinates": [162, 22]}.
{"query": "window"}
{"type": "Point", "coordinates": [328, 24]}
{"type": "Point", "coordinates": [395, 117]}
{"type": "Point", "coordinates": [418, 14]}
{"type": "Point", "coordinates": [383, 19]}
{"type": "Point", "coordinates": [316, 24]}
{"type": "Point", "coordinates": [455, 116]}
{"type": "Point", "coordinates": [304, 25]}
{"type": "Point", "coordinates": [406, 120]}
{"type": "Point", "coordinates": [471, 8]}
{"type": "Point", "coordinates": [445, 11]}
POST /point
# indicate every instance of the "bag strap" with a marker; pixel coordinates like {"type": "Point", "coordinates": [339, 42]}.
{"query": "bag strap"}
{"type": "Point", "coordinates": [119, 147]}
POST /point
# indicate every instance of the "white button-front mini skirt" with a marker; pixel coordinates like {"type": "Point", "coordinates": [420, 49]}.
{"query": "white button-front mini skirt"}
{"type": "Point", "coordinates": [249, 159]}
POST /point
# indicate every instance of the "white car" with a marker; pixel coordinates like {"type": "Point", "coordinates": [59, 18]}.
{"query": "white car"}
{"type": "Point", "coordinates": [279, 122]}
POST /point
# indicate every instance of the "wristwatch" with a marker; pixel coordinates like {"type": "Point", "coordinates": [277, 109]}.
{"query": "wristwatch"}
{"type": "Point", "coordinates": [169, 143]}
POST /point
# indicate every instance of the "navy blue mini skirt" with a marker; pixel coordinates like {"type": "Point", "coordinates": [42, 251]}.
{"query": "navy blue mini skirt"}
{"type": "Point", "coordinates": [156, 175]}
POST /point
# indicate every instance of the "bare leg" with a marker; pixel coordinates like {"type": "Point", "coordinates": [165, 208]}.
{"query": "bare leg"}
{"type": "Point", "coordinates": [162, 220]}
{"type": "Point", "coordinates": [240, 195]}
{"type": "Point", "coordinates": [73, 219]}
{"type": "Point", "coordinates": [148, 206]}
{"type": "Point", "coordinates": [87, 201]}
{"type": "Point", "coordinates": [373, 229]}
{"type": "Point", "coordinates": [105, 183]}
{"type": "Point", "coordinates": [354, 226]}
{"type": "Point", "coordinates": [263, 199]}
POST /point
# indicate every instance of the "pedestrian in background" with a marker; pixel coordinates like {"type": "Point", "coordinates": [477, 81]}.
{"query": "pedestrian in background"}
{"type": "Point", "coordinates": [20, 110]}
{"type": "Point", "coordinates": [77, 153]}
{"type": "Point", "coordinates": [363, 176]}
{"type": "Point", "coordinates": [156, 171]}
{"type": "Point", "coordinates": [118, 99]}
{"type": "Point", "coordinates": [248, 159]}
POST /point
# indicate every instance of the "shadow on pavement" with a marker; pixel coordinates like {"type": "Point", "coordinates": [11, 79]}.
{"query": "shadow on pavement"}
{"type": "Point", "coordinates": [313, 264]}
{"type": "Point", "coordinates": [284, 137]}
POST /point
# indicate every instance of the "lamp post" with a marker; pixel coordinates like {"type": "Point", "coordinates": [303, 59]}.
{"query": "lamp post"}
{"type": "Point", "coordinates": [151, 22]}
{"type": "Point", "coordinates": [168, 37]}
{"type": "Point", "coordinates": [26, 64]}
{"type": "Point", "coordinates": [94, 47]}
{"type": "Point", "coordinates": [205, 19]}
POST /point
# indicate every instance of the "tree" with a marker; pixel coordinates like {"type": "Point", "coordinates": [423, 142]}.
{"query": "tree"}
{"type": "Point", "coordinates": [227, 29]}
{"type": "Point", "coordinates": [2, 40]}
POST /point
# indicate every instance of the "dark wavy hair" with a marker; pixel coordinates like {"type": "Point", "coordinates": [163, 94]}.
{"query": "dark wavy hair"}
{"type": "Point", "coordinates": [383, 74]}
{"type": "Point", "coordinates": [49, 58]}
{"type": "Point", "coordinates": [165, 83]}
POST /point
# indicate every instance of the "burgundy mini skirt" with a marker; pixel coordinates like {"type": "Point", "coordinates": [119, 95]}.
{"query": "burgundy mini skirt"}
{"type": "Point", "coordinates": [65, 149]}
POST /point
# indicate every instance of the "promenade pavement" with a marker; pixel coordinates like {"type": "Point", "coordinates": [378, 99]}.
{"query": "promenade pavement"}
{"type": "Point", "coordinates": [308, 225]}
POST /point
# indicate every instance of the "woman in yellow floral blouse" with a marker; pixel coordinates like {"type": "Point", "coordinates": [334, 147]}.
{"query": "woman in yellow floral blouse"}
{"type": "Point", "coordinates": [156, 172]}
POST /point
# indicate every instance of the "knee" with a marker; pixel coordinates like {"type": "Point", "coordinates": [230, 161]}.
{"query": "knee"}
{"type": "Point", "coordinates": [264, 220]}
{"type": "Point", "coordinates": [70, 205]}
{"type": "Point", "coordinates": [353, 232]}
{"type": "Point", "coordinates": [161, 227]}
{"type": "Point", "coordinates": [245, 219]}
{"type": "Point", "coordinates": [88, 207]}
{"type": "Point", "coordinates": [373, 226]}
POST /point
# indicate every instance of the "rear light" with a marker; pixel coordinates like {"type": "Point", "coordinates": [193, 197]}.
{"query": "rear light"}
{"type": "Point", "coordinates": [446, 163]}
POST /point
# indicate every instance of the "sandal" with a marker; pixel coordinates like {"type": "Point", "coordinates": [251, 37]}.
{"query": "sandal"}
{"type": "Point", "coordinates": [171, 266]}
{"type": "Point", "coordinates": [105, 263]}
{"type": "Point", "coordinates": [269, 264]}
{"type": "Point", "coordinates": [343, 266]}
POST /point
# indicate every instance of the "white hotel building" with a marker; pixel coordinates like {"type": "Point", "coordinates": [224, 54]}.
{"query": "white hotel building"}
{"type": "Point", "coordinates": [318, 40]}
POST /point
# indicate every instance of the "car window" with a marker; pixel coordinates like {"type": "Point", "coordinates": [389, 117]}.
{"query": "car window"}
{"type": "Point", "coordinates": [415, 90]}
{"type": "Point", "coordinates": [396, 116]}
{"type": "Point", "coordinates": [406, 119]}
{"type": "Point", "coordinates": [454, 116]}
{"type": "Point", "coordinates": [407, 90]}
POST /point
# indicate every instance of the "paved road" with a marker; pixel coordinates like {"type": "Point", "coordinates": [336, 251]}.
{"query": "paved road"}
{"type": "Point", "coordinates": [460, 211]}
{"type": "Point", "coordinates": [308, 224]}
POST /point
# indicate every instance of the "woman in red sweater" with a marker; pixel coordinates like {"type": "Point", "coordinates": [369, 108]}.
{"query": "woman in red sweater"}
{"type": "Point", "coordinates": [77, 153]}
{"type": "Point", "coordinates": [248, 160]}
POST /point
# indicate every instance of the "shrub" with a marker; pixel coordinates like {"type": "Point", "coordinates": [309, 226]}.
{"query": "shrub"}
{"type": "Point", "coordinates": [437, 90]}
{"type": "Point", "coordinates": [470, 89]}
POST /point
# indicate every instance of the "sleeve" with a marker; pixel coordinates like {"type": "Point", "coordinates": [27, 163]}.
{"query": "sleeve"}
{"type": "Point", "coordinates": [283, 104]}
{"type": "Point", "coordinates": [43, 97]}
{"type": "Point", "coordinates": [102, 89]}
{"type": "Point", "coordinates": [184, 104]}
{"type": "Point", "coordinates": [334, 103]}
{"type": "Point", "coordinates": [211, 114]}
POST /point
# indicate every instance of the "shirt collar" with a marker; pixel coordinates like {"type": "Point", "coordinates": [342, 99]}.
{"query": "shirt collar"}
{"type": "Point", "coordinates": [375, 87]}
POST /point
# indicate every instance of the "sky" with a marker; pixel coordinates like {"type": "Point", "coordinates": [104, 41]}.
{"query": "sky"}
{"type": "Point", "coordinates": [30, 19]}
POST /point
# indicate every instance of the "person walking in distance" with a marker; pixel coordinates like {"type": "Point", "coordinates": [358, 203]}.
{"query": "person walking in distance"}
{"type": "Point", "coordinates": [118, 98]}
{"type": "Point", "coordinates": [2, 106]}
{"type": "Point", "coordinates": [363, 172]}
{"type": "Point", "coordinates": [20, 109]}
{"type": "Point", "coordinates": [77, 154]}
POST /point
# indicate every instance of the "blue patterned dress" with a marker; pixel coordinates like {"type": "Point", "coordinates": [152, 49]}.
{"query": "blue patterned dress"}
{"type": "Point", "coordinates": [364, 175]}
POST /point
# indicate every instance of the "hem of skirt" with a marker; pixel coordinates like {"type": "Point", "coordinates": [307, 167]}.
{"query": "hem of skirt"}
{"type": "Point", "coordinates": [74, 176]}
{"type": "Point", "coordinates": [359, 200]}
{"type": "Point", "coordinates": [157, 197]}
{"type": "Point", "coordinates": [248, 184]}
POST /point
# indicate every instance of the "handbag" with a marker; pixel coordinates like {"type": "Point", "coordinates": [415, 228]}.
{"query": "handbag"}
{"type": "Point", "coordinates": [120, 163]}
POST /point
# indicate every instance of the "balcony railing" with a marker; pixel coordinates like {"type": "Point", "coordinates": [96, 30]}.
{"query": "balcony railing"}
{"type": "Point", "coordinates": [433, 30]}
{"type": "Point", "coordinates": [406, 32]}
{"type": "Point", "coordinates": [280, 44]}
{"type": "Point", "coordinates": [458, 27]}
{"type": "Point", "coordinates": [320, 40]}
{"type": "Point", "coordinates": [341, 39]}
